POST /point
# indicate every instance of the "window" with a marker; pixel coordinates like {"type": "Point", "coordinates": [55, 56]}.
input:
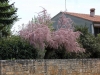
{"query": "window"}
{"type": "Point", "coordinates": [96, 30]}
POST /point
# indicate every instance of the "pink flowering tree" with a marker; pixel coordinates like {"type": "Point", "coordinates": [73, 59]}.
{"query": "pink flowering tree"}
{"type": "Point", "coordinates": [65, 36]}
{"type": "Point", "coordinates": [38, 32]}
{"type": "Point", "coordinates": [40, 35]}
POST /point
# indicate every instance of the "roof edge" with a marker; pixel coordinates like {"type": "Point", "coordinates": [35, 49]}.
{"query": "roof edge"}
{"type": "Point", "coordinates": [55, 15]}
{"type": "Point", "coordinates": [68, 13]}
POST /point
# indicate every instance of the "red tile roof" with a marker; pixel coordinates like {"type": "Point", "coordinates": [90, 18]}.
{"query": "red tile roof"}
{"type": "Point", "coordinates": [96, 18]}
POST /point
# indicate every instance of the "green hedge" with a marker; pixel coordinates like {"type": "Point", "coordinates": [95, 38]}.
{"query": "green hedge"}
{"type": "Point", "coordinates": [15, 48]}
{"type": "Point", "coordinates": [89, 43]}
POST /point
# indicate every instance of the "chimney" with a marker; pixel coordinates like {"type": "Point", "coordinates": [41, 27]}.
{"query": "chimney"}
{"type": "Point", "coordinates": [92, 12]}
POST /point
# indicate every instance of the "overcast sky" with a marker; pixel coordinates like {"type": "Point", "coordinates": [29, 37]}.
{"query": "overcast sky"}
{"type": "Point", "coordinates": [28, 8]}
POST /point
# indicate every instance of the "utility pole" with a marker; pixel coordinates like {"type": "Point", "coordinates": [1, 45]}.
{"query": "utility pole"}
{"type": "Point", "coordinates": [65, 6]}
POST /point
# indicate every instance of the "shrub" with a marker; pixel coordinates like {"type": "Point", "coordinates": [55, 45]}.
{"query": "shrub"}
{"type": "Point", "coordinates": [15, 48]}
{"type": "Point", "coordinates": [61, 53]}
{"type": "Point", "coordinates": [89, 43]}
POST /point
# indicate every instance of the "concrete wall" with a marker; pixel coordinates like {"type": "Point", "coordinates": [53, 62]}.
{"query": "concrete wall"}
{"type": "Point", "coordinates": [50, 67]}
{"type": "Point", "coordinates": [76, 20]}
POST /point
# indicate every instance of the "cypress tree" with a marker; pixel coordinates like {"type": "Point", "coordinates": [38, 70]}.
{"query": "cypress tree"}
{"type": "Point", "coordinates": [7, 17]}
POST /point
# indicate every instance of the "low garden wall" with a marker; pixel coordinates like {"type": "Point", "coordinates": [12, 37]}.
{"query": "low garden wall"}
{"type": "Point", "coordinates": [50, 67]}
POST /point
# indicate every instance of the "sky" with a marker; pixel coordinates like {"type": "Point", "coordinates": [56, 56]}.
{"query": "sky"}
{"type": "Point", "coordinates": [29, 8]}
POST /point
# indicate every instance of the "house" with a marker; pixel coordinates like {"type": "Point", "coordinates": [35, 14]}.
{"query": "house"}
{"type": "Point", "coordinates": [91, 20]}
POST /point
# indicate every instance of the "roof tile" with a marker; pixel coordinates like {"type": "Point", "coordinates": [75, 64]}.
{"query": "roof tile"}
{"type": "Point", "coordinates": [96, 18]}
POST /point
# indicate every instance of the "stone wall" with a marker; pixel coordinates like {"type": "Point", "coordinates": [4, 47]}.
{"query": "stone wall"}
{"type": "Point", "coordinates": [50, 67]}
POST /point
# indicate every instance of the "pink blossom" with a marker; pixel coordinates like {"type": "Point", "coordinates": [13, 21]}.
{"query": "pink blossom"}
{"type": "Point", "coordinates": [40, 35]}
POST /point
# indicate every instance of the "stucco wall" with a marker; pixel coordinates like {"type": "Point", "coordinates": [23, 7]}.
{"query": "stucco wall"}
{"type": "Point", "coordinates": [76, 20]}
{"type": "Point", "coordinates": [50, 67]}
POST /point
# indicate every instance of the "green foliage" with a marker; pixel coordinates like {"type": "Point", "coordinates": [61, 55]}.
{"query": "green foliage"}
{"type": "Point", "coordinates": [98, 38]}
{"type": "Point", "coordinates": [15, 48]}
{"type": "Point", "coordinates": [61, 53]}
{"type": "Point", "coordinates": [89, 43]}
{"type": "Point", "coordinates": [52, 53]}
{"type": "Point", "coordinates": [7, 17]}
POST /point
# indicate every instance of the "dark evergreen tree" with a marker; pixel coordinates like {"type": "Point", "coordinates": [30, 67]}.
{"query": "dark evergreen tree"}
{"type": "Point", "coordinates": [7, 17]}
